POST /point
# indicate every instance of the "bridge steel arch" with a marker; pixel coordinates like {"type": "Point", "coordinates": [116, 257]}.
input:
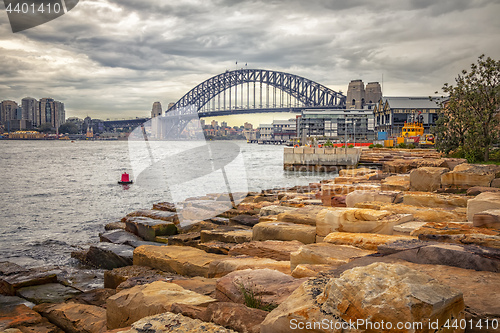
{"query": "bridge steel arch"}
{"type": "Point", "coordinates": [308, 92]}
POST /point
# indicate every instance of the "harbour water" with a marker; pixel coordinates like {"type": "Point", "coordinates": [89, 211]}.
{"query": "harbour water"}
{"type": "Point", "coordinates": [56, 196]}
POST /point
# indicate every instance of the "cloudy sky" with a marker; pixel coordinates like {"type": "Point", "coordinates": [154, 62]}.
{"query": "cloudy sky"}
{"type": "Point", "coordinates": [114, 58]}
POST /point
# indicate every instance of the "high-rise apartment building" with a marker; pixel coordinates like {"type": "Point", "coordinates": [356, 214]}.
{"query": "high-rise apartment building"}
{"type": "Point", "coordinates": [8, 111]}
{"type": "Point", "coordinates": [51, 112]}
{"type": "Point", "coordinates": [31, 111]}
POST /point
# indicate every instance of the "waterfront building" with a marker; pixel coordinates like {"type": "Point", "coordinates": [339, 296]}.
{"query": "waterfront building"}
{"type": "Point", "coordinates": [8, 111]}
{"type": "Point", "coordinates": [284, 130]}
{"type": "Point", "coordinates": [391, 113]}
{"type": "Point", "coordinates": [31, 110]}
{"type": "Point", "coordinates": [266, 132]}
{"type": "Point", "coordinates": [156, 111]}
{"type": "Point", "coordinates": [52, 112]}
{"type": "Point", "coordinates": [357, 124]}
{"type": "Point", "coordinates": [247, 126]}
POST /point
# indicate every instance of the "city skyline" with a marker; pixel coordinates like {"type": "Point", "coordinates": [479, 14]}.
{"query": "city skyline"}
{"type": "Point", "coordinates": [113, 59]}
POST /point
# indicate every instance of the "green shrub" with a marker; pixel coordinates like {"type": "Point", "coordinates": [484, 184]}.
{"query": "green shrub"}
{"type": "Point", "coordinates": [350, 146]}
{"type": "Point", "coordinates": [378, 145]}
{"type": "Point", "coordinates": [411, 146]}
{"type": "Point", "coordinates": [371, 146]}
{"type": "Point", "coordinates": [402, 145]}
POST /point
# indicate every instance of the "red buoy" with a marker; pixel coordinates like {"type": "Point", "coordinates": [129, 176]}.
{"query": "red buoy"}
{"type": "Point", "coordinates": [125, 179]}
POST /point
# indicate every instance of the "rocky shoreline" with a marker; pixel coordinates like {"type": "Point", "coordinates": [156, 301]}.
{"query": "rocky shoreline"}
{"type": "Point", "coordinates": [369, 251]}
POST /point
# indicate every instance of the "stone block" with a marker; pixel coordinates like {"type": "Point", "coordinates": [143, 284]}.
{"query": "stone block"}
{"type": "Point", "coordinates": [222, 267]}
{"type": "Point", "coordinates": [468, 175]}
{"type": "Point", "coordinates": [272, 249]}
{"type": "Point", "coordinates": [284, 231]}
{"type": "Point", "coordinates": [426, 179]}
{"type": "Point", "coordinates": [275, 210]}
{"type": "Point", "coordinates": [482, 202]}
{"type": "Point", "coordinates": [74, 317]}
{"type": "Point", "coordinates": [227, 235]}
{"type": "Point", "coordinates": [366, 196]}
{"type": "Point", "coordinates": [148, 228]}
{"type": "Point", "coordinates": [487, 219]}
{"type": "Point", "coordinates": [434, 200]}
{"type": "Point", "coordinates": [48, 293]}
{"type": "Point", "coordinates": [130, 305]}
{"type": "Point", "coordinates": [182, 260]}
{"type": "Point", "coordinates": [364, 241]}
{"type": "Point", "coordinates": [304, 215]}
{"type": "Point", "coordinates": [396, 183]}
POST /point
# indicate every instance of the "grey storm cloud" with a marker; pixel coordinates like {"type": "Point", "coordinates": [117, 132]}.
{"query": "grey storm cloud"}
{"type": "Point", "coordinates": [136, 52]}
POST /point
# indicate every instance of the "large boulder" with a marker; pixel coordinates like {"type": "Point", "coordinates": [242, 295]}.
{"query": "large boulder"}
{"type": "Point", "coordinates": [272, 249]}
{"type": "Point", "coordinates": [487, 219]}
{"type": "Point", "coordinates": [174, 323]}
{"type": "Point", "coordinates": [380, 293]}
{"type": "Point", "coordinates": [74, 317]}
{"type": "Point", "coordinates": [18, 318]}
{"type": "Point", "coordinates": [235, 316]}
{"type": "Point", "coordinates": [358, 220]}
{"type": "Point", "coordinates": [326, 254]}
{"type": "Point", "coordinates": [130, 305]}
{"type": "Point", "coordinates": [305, 215]}
{"type": "Point", "coordinates": [154, 214]}
{"type": "Point", "coordinates": [482, 202]}
{"type": "Point", "coordinates": [420, 213]}
{"type": "Point", "coordinates": [175, 259]}
{"type": "Point", "coordinates": [48, 293]}
{"type": "Point", "coordinates": [148, 228]}
{"type": "Point", "coordinates": [426, 179]}
{"type": "Point", "coordinates": [113, 278]}
{"type": "Point", "coordinates": [396, 183]}
{"type": "Point", "coordinates": [14, 277]}
{"type": "Point", "coordinates": [284, 231]}
{"type": "Point", "coordinates": [366, 196]}
{"type": "Point", "coordinates": [363, 240]}
{"type": "Point", "coordinates": [433, 200]}
{"type": "Point", "coordinates": [108, 255]}
{"type": "Point", "coordinates": [468, 175]}
{"type": "Point", "coordinates": [222, 267]}
{"type": "Point", "coordinates": [275, 210]}
{"type": "Point", "coordinates": [270, 286]}
{"type": "Point", "coordinates": [227, 235]}
{"type": "Point", "coordinates": [119, 236]}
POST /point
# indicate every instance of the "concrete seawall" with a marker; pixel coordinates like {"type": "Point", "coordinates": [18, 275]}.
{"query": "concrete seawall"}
{"type": "Point", "coordinates": [319, 159]}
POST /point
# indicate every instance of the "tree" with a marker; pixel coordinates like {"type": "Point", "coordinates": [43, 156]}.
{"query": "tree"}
{"type": "Point", "coordinates": [469, 120]}
{"type": "Point", "coordinates": [68, 127]}
{"type": "Point", "coordinates": [45, 128]}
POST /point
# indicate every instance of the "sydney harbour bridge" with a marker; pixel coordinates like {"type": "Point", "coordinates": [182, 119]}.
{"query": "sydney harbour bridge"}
{"type": "Point", "coordinates": [249, 91]}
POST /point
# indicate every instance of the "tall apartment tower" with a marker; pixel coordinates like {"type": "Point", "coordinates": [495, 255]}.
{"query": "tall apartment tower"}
{"type": "Point", "coordinates": [156, 111]}
{"type": "Point", "coordinates": [8, 111]}
{"type": "Point", "coordinates": [30, 110]}
{"type": "Point", "coordinates": [355, 95]}
{"type": "Point", "coordinates": [51, 112]}
{"type": "Point", "coordinates": [373, 92]}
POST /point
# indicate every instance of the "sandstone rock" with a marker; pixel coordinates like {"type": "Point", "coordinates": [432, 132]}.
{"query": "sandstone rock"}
{"type": "Point", "coordinates": [495, 183]}
{"type": "Point", "coordinates": [175, 259]}
{"type": "Point", "coordinates": [482, 202]}
{"type": "Point", "coordinates": [14, 277]}
{"type": "Point", "coordinates": [235, 316]}
{"type": "Point", "coordinates": [396, 183]}
{"type": "Point", "coordinates": [451, 163]}
{"type": "Point", "coordinates": [284, 231]}
{"type": "Point", "coordinates": [222, 267]}
{"type": "Point", "coordinates": [113, 278]}
{"type": "Point", "coordinates": [356, 172]}
{"type": "Point", "coordinates": [468, 175]}
{"type": "Point", "coordinates": [119, 236]}
{"type": "Point", "coordinates": [420, 213]}
{"type": "Point", "coordinates": [469, 257]}
{"type": "Point", "coordinates": [188, 239]}
{"type": "Point", "coordinates": [300, 308]}
{"type": "Point", "coordinates": [227, 235]}
{"type": "Point", "coordinates": [95, 297]}
{"type": "Point", "coordinates": [170, 322]}
{"type": "Point", "coordinates": [358, 220]}
{"type": "Point", "coordinates": [154, 214]}
{"type": "Point", "coordinates": [115, 226]}
{"type": "Point", "coordinates": [216, 247]}
{"type": "Point", "coordinates": [459, 233]}
{"type": "Point", "coordinates": [305, 215]}
{"type": "Point", "coordinates": [197, 284]}
{"type": "Point", "coordinates": [108, 255]}
{"type": "Point", "coordinates": [374, 291]}
{"type": "Point", "coordinates": [245, 219]}
{"type": "Point", "coordinates": [307, 270]}
{"type": "Point", "coordinates": [426, 179]}
{"type": "Point", "coordinates": [324, 253]}
{"type": "Point", "coordinates": [47, 293]}
{"type": "Point", "coordinates": [424, 199]}
{"type": "Point", "coordinates": [130, 305]}
{"type": "Point", "coordinates": [18, 315]}
{"type": "Point", "coordinates": [275, 210]}
{"type": "Point", "coordinates": [336, 189]}
{"type": "Point", "coordinates": [166, 206]}
{"type": "Point", "coordinates": [270, 286]}
{"type": "Point", "coordinates": [475, 190]}
{"type": "Point", "coordinates": [487, 219]}
{"type": "Point", "coordinates": [277, 250]}
{"type": "Point", "coordinates": [12, 301]}
{"type": "Point", "coordinates": [74, 317]}
{"type": "Point", "coordinates": [149, 228]}
{"type": "Point", "coordinates": [195, 226]}
{"type": "Point", "coordinates": [365, 196]}
{"type": "Point", "coordinates": [363, 241]}
{"type": "Point", "coordinates": [407, 228]}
